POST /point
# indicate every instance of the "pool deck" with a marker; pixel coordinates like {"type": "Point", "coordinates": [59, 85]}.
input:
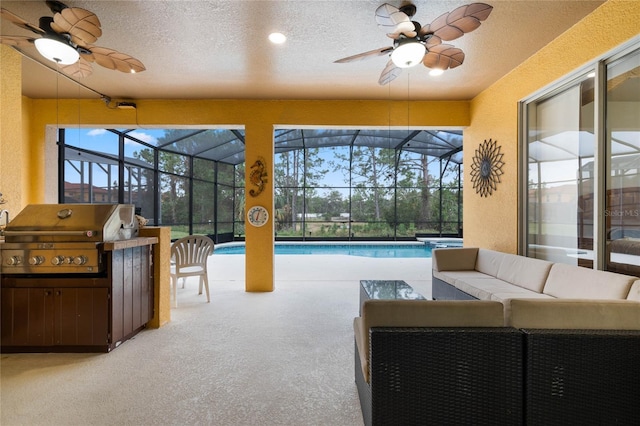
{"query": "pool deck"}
{"type": "Point", "coordinates": [430, 241]}
{"type": "Point", "coordinates": [318, 268]}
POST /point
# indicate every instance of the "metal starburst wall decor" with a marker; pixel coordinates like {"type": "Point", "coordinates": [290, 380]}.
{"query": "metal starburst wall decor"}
{"type": "Point", "coordinates": [487, 168]}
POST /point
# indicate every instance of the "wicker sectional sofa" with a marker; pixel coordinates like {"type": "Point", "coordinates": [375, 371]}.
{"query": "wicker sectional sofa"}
{"type": "Point", "coordinates": [519, 341]}
{"type": "Point", "coordinates": [441, 363]}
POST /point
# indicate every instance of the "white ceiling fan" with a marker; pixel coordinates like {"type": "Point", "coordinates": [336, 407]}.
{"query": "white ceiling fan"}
{"type": "Point", "coordinates": [67, 38]}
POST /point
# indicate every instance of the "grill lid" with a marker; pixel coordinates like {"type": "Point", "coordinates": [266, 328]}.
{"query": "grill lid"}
{"type": "Point", "coordinates": [73, 222]}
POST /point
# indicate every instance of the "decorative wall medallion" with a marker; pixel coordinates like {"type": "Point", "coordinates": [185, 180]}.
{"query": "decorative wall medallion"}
{"type": "Point", "coordinates": [487, 168]}
{"type": "Point", "coordinates": [258, 177]}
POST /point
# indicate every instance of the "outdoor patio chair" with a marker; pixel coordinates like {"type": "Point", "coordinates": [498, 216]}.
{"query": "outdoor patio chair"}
{"type": "Point", "coordinates": [188, 259]}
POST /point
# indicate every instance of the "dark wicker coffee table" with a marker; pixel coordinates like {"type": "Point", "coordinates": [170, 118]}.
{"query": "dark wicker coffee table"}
{"type": "Point", "coordinates": [387, 289]}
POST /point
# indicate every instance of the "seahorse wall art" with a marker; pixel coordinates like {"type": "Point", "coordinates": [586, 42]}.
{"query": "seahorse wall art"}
{"type": "Point", "coordinates": [258, 176]}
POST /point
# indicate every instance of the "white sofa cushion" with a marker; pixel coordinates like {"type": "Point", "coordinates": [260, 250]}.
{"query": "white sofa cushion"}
{"type": "Point", "coordinates": [444, 276]}
{"type": "Point", "coordinates": [506, 297]}
{"type": "Point", "coordinates": [482, 288]}
{"type": "Point", "coordinates": [454, 259]}
{"type": "Point", "coordinates": [488, 261]}
{"type": "Point", "coordinates": [568, 281]}
{"type": "Point", "coordinates": [524, 271]}
{"type": "Point", "coordinates": [634, 293]}
{"type": "Point", "coordinates": [451, 277]}
{"type": "Point", "coordinates": [574, 314]}
{"type": "Point", "coordinates": [518, 293]}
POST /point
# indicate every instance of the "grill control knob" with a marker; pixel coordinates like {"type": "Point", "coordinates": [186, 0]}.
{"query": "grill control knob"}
{"type": "Point", "coordinates": [57, 260]}
{"type": "Point", "coordinates": [80, 260]}
{"type": "Point", "coordinates": [14, 260]}
{"type": "Point", "coordinates": [36, 260]}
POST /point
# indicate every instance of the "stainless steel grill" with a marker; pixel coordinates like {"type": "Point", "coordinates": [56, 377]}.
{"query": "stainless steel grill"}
{"type": "Point", "coordinates": [74, 278]}
{"type": "Point", "coordinates": [64, 238]}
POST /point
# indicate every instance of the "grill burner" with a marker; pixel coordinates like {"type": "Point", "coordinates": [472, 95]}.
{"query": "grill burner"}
{"type": "Point", "coordinates": [64, 238]}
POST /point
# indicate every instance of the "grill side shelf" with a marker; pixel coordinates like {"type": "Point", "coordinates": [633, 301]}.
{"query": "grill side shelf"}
{"type": "Point", "coordinates": [133, 242]}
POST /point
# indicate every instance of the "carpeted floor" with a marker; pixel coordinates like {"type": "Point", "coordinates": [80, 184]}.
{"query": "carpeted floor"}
{"type": "Point", "coordinates": [279, 358]}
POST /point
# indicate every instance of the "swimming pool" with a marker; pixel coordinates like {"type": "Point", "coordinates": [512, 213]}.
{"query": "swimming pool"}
{"type": "Point", "coordinates": [387, 250]}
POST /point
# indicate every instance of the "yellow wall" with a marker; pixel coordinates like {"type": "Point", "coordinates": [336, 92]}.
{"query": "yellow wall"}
{"type": "Point", "coordinates": [13, 154]}
{"type": "Point", "coordinates": [492, 222]}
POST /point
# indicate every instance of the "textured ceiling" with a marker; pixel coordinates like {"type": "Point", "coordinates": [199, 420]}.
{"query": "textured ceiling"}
{"type": "Point", "coordinates": [219, 49]}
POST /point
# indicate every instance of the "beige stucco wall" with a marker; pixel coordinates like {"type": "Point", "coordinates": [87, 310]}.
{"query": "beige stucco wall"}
{"type": "Point", "coordinates": [492, 222]}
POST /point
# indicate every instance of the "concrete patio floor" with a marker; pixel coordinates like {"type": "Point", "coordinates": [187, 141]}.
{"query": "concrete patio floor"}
{"type": "Point", "coordinates": [288, 268]}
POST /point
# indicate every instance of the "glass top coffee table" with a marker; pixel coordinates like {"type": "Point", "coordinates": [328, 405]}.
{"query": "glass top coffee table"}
{"type": "Point", "coordinates": [387, 289]}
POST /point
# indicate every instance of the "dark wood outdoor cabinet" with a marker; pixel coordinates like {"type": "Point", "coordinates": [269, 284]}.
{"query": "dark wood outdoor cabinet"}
{"type": "Point", "coordinates": [55, 316]}
{"type": "Point", "coordinates": [82, 312]}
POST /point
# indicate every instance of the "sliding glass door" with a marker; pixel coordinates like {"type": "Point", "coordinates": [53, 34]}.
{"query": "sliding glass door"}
{"type": "Point", "coordinates": [560, 184]}
{"type": "Point", "coordinates": [580, 180]}
{"type": "Point", "coordinates": [622, 201]}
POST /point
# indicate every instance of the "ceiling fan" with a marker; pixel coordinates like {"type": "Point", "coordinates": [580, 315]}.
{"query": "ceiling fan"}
{"type": "Point", "coordinates": [414, 43]}
{"type": "Point", "coordinates": [66, 39]}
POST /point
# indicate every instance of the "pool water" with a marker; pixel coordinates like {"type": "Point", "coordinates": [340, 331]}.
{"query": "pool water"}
{"type": "Point", "coordinates": [363, 250]}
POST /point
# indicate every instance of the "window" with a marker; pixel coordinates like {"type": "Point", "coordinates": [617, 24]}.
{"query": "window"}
{"type": "Point", "coordinates": [329, 183]}
{"type": "Point", "coordinates": [622, 201]}
{"type": "Point", "coordinates": [368, 185]}
{"type": "Point", "coordinates": [582, 188]}
{"type": "Point", "coordinates": [560, 155]}
{"type": "Point", "coordinates": [174, 177]}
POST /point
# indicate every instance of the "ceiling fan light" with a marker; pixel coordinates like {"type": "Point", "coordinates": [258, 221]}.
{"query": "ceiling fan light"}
{"type": "Point", "coordinates": [436, 72]}
{"type": "Point", "coordinates": [408, 54]}
{"type": "Point", "coordinates": [57, 51]}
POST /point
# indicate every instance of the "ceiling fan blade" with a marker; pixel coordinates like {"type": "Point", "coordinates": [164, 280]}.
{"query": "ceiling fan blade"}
{"type": "Point", "coordinates": [115, 60]}
{"type": "Point", "coordinates": [432, 42]}
{"type": "Point", "coordinates": [460, 21]}
{"type": "Point", "coordinates": [391, 19]}
{"type": "Point", "coordinates": [388, 16]}
{"type": "Point", "coordinates": [79, 69]}
{"type": "Point", "coordinates": [408, 29]}
{"type": "Point", "coordinates": [19, 41]}
{"type": "Point", "coordinates": [55, 6]}
{"type": "Point", "coordinates": [15, 19]}
{"type": "Point", "coordinates": [389, 73]}
{"type": "Point", "coordinates": [443, 56]}
{"type": "Point", "coordinates": [82, 25]}
{"type": "Point", "coordinates": [365, 55]}
{"type": "Point", "coordinates": [480, 11]}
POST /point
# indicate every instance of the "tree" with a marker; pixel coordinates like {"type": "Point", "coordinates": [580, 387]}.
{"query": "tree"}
{"type": "Point", "coordinates": [182, 174]}
{"type": "Point", "coordinates": [371, 171]}
{"type": "Point", "coordinates": [294, 171]}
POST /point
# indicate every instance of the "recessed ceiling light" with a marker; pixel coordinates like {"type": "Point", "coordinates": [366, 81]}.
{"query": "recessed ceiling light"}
{"type": "Point", "coordinates": [277, 38]}
{"type": "Point", "coordinates": [435, 72]}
